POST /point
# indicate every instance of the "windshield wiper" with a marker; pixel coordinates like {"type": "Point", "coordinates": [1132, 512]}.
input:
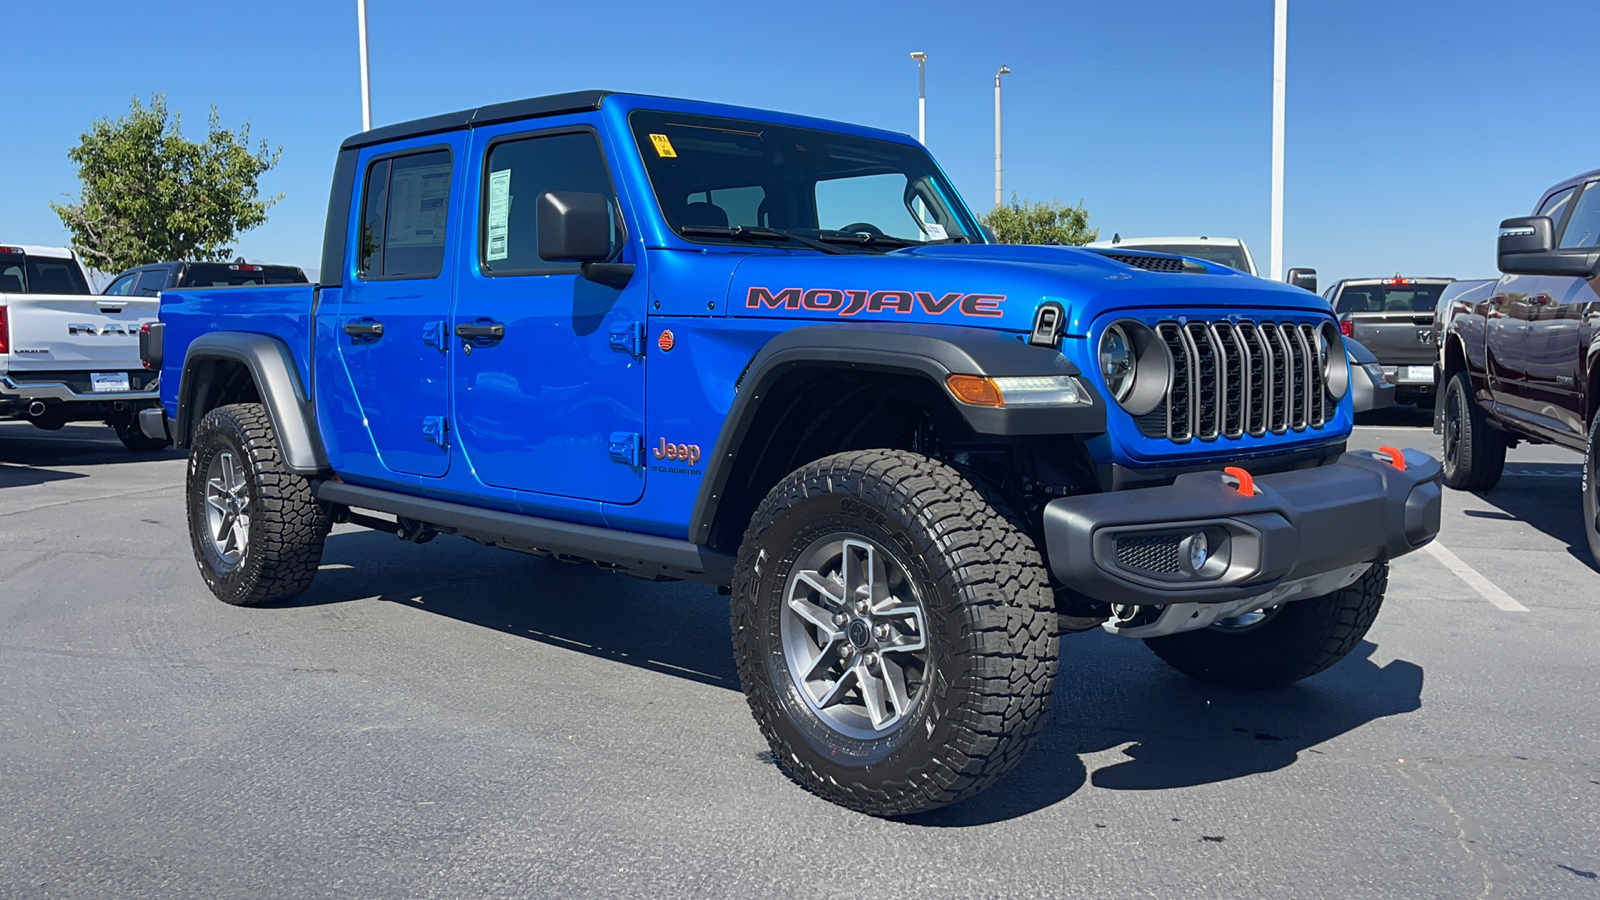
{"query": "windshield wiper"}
{"type": "Point", "coordinates": [870, 239]}
{"type": "Point", "coordinates": [752, 233]}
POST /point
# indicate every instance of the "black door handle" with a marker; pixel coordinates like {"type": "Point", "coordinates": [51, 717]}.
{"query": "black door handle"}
{"type": "Point", "coordinates": [481, 330]}
{"type": "Point", "coordinates": [365, 331]}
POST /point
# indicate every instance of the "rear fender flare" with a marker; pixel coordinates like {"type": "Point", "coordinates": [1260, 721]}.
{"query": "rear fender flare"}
{"type": "Point", "coordinates": [934, 352]}
{"type": "Point", "coordinates": [277, 381]}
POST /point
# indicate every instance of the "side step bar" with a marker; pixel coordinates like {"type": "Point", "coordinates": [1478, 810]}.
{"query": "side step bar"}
{"type": "Point", "coordinates": [644, 555]}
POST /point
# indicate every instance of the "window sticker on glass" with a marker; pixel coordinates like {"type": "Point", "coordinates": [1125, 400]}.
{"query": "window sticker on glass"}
{"type": "Point", "coordinates": [663, 146]}
{"type": "Point", "coordinates": [417, 203]}
{"type": "Point", "coordinates": [498, 226]}
{"type": "Point", "coordinates": [935, 231]}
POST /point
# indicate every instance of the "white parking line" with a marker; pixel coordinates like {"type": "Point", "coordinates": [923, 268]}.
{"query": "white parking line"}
{"type": "Point", "coordinates": [1477, 582]}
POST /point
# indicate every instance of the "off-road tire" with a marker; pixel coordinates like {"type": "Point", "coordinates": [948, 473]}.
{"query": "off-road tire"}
{"type": "Point", "coordinates": [1298, 640]}
{"type": "Point", "coordinates": [287, 525]}
{"type": "Point", "coordinates": [990, 611]}
{"type": "Point", "coordinates": [1591, 491]}
{"type": "Point", "coordinates": [1478, 456]}
{"type": "Point", "coordinates": [134, 438]}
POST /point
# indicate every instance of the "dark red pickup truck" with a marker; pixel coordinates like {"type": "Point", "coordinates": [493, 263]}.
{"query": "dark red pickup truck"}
{"type": "Point", "coordinates": [1524, 363]}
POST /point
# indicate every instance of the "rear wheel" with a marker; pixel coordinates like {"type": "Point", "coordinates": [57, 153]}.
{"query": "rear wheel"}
{"type": "Point", "coordinates": [893, 631]}
{"type": "Point", "coordinates": [257, 531]}
{"type": "Point", "coordinates": [1280, 645]}
{"type": "Point", "coordinates": [1474, 454]}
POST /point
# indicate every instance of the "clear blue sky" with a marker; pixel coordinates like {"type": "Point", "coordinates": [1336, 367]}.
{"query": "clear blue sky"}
{"type": "Point", "coordinates": [1413, 127]}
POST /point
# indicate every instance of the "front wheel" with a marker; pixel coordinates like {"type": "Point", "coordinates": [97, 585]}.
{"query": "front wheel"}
{"type": "Point", "coordinates": [1474, 454]}
{"type": "Point", "coordinates": [893, 633]}
{"type": "Point", "coordinates": [1281, 645]}
{"type": "Point", "coordinates": [256, 529]}
{"type": "Point", "coordinates": [1591, 491]}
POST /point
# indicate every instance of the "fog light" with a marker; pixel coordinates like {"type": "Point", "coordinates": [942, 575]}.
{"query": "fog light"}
{"type": "Point", "coordinates": [1196, 550]}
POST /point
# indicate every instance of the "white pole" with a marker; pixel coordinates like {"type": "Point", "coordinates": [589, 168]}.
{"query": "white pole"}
{"type": "Point", "coordinates": [922, 96]}
{"type": "Point", "coordinates": [366, 81]}
{"type": "Point", "coordinates": [1004, 70]}
{"type": "Point", "coordinates": [1280, 66]}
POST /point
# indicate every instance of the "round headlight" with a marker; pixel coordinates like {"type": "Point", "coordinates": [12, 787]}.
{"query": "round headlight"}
{"type": "Point", "coordinates": [1116, 362]}
{"type": "Point", "coordinates": [1136, 366]}
{"type": "Point", "coordinates": [1335, 365]}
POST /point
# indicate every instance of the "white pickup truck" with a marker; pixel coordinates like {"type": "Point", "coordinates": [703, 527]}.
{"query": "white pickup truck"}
{"type": "Point", "coordinates": [68, 354]}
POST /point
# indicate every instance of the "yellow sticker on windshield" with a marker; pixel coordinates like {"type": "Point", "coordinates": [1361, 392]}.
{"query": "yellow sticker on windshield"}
{"type": "Point", "coordinates": [663, 146]}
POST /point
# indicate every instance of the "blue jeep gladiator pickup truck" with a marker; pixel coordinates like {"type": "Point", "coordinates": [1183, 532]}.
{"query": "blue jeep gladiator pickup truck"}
{"type": "Point", "coordinates": [778, 355]}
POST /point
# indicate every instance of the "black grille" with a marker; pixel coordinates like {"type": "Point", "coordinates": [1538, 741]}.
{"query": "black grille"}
{"type": "Point", "coordinates": [1149, 553]}
{"type": "Point", "coordinates": [1153, 263]}
{"type": "Point", "coordinates": [1231, 379]}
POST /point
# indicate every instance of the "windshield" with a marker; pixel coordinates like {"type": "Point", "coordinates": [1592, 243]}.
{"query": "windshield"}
{"type": "Point", "coordinates": [22, 274]}
{"type": "Point", "coordinates": [712, 174]}
{"type": "Point", "coordinates": [1383, 297]}
{"type": "Point", "coordinates": [225, 275]}
{"type": "Point", "coordinates": [1232, 257]}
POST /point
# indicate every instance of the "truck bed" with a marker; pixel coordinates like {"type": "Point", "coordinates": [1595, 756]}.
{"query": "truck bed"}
{"type": "Point", "coordinates": [279, 311]}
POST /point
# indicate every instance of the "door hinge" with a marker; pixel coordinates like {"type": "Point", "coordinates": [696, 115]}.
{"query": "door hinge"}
{"type": "Point", "coordinates": [627, 447]}
{"type": "Point", "coordinates": [435, 335]}
{"type": "Point", "coordinates": [437, 430]}
{"type": "Point", "coordinates": [628, 338]}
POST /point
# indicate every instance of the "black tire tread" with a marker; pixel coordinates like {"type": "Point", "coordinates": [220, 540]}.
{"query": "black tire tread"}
{"type": "Point", "coordinates": [1304, 637]}
{"type": "Point", "coordinates": [1482, 449]}
{"type": "Point", "coordinates": [287, 524]}
{"type": "Point", "coordinates": [997, 571]}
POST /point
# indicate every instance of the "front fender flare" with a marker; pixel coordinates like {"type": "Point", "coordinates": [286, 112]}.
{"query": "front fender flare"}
{"type": "Point", "coordinates": [277, 381]}
{"type": "Point", "coordinates": [934, 352]}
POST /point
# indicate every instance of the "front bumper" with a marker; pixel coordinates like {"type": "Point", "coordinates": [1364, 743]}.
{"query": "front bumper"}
{"type": "Point", "coordinates": [1132, 547]}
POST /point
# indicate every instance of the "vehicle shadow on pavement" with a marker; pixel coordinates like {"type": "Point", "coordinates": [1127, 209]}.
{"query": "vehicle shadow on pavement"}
{"type": "Point", "coordinates": [1175, 732]}
{"type": "Point", "coordinates": [1397, 416]}
{"type": "Point", "coordinates": [1111, 694]}
{"type": "Point", "coordinates": [1545, 496]}
{"type": "Point", "coordinates": [22, 444]}
{"type": "Point", "coordinates": [676, 628]}
{"type": "Point", "coordinates": [23, 476]}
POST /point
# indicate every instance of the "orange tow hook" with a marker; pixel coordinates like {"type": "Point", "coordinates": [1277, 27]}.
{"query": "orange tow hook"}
{"type": "Point", "coordinates": [1246, 485]}
{"type": "Point", "coordinates": [1396, 457]}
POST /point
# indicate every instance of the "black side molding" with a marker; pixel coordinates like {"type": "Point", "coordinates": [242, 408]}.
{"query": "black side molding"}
{"type": "Point", "coordinates": [277, 381]}
{"type": "Point", "coordinates": [934, 352]}
{"type": "Point", "coordinates": [645, 555]}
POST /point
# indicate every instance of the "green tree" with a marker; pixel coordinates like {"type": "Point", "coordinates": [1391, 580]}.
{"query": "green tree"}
{"type": "Point", "coordinates": [1021, 222]}
{"type": "Point", "coordinates": [150, 195]}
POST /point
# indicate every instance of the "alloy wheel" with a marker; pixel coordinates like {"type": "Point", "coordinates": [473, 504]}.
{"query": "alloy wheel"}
{"type": "Point", "coordinates": [227, 507]}
{"type": "Point", "coordinates": [854, 636]}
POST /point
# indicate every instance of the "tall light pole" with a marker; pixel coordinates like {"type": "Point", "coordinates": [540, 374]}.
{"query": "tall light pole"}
{"type": "Point", "coordinates": [1280, 67]}
{"type": "Point", "coordinates": [1004, 70]}
{"type": "Point", "coordinates": [366, 82]}
{"type": "Point", "coordinates": [922, 96]}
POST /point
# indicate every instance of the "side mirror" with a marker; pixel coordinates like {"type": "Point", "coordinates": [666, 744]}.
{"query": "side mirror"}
{"type": "Point", "coordinates": [1303, 278]}
{"type": "Point", "coordinates": [574, 226]}
{"type": "Point", "coordinates": [1527, 247]}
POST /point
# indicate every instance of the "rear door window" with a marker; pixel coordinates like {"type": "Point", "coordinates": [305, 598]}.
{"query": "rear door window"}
{"type": "Point", "coordinates": [405, 213]}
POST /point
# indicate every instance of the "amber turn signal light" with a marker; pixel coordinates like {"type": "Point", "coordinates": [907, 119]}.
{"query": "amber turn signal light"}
{"type": "Point", "coordinates": [975, 390]}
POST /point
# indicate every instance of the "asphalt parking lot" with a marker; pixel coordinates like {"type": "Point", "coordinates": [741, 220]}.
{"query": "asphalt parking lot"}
{"type": "Point", "coordinates": [454, 721]}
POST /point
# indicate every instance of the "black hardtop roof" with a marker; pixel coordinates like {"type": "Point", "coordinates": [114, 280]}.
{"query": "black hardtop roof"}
{"type": "Point", "coordinates": [533, 107]}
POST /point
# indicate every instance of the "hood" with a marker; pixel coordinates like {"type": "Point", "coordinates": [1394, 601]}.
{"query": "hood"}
{"type": "Point", "coordinates": [989, 286]}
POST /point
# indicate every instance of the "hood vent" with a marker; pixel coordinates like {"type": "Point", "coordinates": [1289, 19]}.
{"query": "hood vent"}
{"type": "Point", "coordinates": [1153, 262]}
